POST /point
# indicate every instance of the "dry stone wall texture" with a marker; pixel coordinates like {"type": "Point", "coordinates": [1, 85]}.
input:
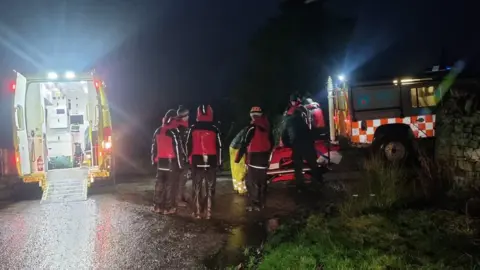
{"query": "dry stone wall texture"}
{"type": "Point", "coordinates": [458, 137]}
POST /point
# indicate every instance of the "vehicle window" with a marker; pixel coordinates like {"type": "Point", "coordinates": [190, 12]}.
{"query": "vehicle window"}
{"type": "Point", "coordinates": [341, 101]}
{"type": "Point", "coordinates": [423, 97]}
{"type": "Point", "coordinates": [335, 99]}
{"type": "Point", "coordinates": [376, 97]}
{"type": "Point", "coordinates": [20, 118]}
{"type": "Point", "coordinates": [414, 97]}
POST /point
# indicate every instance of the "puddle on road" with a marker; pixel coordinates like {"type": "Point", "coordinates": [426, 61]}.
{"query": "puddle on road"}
{"type": "Point", "coordinates": [233, 251]}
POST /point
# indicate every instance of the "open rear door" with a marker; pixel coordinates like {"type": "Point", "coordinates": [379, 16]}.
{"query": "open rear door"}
{"type": "Point", "coordinates": [21, 140]}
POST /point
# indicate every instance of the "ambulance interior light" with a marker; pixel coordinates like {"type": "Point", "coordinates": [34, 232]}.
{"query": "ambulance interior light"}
{"type": "Point", "coordinates": [52, 75]}
{"type": "Point", "coordinates": [70, 75]}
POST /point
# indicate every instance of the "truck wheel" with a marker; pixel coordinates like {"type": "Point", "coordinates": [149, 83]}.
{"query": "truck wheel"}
{"type": "Point", "coordinates": [393, 150]}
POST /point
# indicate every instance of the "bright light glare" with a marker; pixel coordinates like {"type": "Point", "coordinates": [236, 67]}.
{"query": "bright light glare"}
{"type": "Point", "coordinates": [408, 80]}
{"type": "Point", "coordinates": [341, 77]}
{"type": "Point", "coordinates": [69, 75]}
{"type": "Point", "coordinates": [108, 145]}
{"type": "Point", "coordinates": [52, 75]}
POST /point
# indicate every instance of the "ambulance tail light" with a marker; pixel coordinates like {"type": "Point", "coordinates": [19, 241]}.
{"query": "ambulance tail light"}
{"type": "Point", "coordinates": [12, 86]}
{"type": "Point", "coordinates": [107, 145]}
{"type": "Point", "coordinates": [9, 162]}
{"type": "Point", "coordinates": [107, 138]}
{"type": "Point", "coordinates": [97, 84]}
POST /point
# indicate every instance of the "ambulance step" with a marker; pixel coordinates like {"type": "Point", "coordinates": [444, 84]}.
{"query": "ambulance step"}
{"type": "Point", "coordinates": [66, 185]}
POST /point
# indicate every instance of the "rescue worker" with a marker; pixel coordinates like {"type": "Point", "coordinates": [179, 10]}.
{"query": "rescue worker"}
{"type": "Point", "coordinates": [168, 156]}
{"type": "Point", "coordinates": [295, 102]}
{"type": "Point", "coordinates": [182, 121]}
{"type": "Point", "coordinates": [204, 148]}
{"type": "Point", "coordinates": [316, 113]}
{"type": "Point", "coordinates": [238, 169]}
{"type": "Point", "coordinates": [317, 122]}
{"type": "Point", "coordinates": [297, 135]}
{"type": "Point", "coordinates": [257, 145]}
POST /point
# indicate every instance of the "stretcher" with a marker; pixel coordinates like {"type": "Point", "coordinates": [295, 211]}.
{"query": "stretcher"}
{"type": "Point", "coordinates": [281, 164]}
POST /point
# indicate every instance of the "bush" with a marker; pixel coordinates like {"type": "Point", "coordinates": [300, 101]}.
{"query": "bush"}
{"type": "Point", "coordinates": [385, 185]}
{"type": "Point", "coordinates": [388, 185]}
{"type": "Point", "coordinates": [375, 230]}
{"type": "Point", "coordinates": [434, 177]}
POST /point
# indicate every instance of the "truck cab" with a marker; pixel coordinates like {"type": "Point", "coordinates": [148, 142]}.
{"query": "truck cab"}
{"type": "Point", "coordinates": [386, 115]}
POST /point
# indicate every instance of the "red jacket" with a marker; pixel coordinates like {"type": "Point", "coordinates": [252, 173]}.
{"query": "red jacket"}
{"type": "Point", "coordinates": [258, 143]}
{"type": "Point", "coordinates": [291, 108]}
{"type": "Point", "coordinates": [167, 150]}
{"type": "Point", "coordinates": [204, 146]}
{"type": "Point", "coordinates": [316, 115]}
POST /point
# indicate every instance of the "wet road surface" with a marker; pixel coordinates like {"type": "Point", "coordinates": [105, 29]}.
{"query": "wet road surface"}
{"type": "Point", "coordinates": [117, 230]}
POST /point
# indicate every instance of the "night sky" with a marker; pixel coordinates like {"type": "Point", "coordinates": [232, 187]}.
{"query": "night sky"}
{"type": "Point", "coordinates": [157, 54]}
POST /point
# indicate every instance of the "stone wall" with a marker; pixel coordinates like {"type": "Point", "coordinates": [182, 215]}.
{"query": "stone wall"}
{"type": "Point", "coordinates": [457, 144]}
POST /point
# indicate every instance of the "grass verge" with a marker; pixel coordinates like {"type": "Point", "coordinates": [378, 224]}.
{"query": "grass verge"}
{"type": "Point", "coordinates": [376, 229]}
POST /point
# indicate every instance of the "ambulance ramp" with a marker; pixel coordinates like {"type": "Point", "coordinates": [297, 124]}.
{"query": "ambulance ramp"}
{"type": "Point", "coordinates": [66, 185]}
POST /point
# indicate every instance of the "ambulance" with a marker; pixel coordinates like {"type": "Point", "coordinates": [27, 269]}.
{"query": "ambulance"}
{"type": "Point", "coordinates": [60, 121]}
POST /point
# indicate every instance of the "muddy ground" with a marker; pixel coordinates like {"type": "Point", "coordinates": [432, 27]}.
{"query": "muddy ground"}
{"type": "Point", "coordinates": [116, 229]}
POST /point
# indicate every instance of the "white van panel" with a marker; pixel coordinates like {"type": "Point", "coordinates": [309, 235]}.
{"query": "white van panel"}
{"type": "Point", "coordinates": [58, 117]}
{"type": "Point", "coordinates": [20, 121]}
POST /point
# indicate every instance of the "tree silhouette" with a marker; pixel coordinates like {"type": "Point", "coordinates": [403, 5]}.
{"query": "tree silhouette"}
{"type": "Point", "coordinates": [295, 51]}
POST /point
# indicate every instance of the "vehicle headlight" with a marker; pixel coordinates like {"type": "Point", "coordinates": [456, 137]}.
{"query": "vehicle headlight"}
{"type": "Point", "coordinates": [108, 145]}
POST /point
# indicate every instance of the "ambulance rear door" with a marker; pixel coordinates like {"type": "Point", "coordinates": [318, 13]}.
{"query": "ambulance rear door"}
{"type": "Point", "coordinates": [20, 131]}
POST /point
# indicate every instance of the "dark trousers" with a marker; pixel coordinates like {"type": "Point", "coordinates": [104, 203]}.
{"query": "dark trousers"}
{"type": "Point", "coordinates": [201, 178]}
{"type": "Point", "coordinates": [166, 189]}
{"type": "Point", "coordinates": [256, 182]}
{"type": "Point", "coordinates": [305, 152]}
{"type": "Point", "coordinates": [183, 178]}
